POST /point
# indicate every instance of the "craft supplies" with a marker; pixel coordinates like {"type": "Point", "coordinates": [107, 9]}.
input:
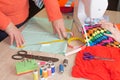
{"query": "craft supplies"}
{"type": "Point", "coordinates": [61, 68]}
{"type": "Point", "coordinates": [43, 32]}
{"type": "Point", "coordinates": [53, 69]}
{"type": "Point", "coordinates": [42, 63]}
{"type": "Point", "coordinates": [42, 78]}
{"type": "Point", "coordinates": [45, 73]}
{"type": "Point", "coordinates": [42, 43]}
{"type": "Point", "coordinates": [65, 62]}
{"type": "Point", "coordinates": [35, 75]}
{"type": "Point", "coordinates": [26, 66]}
{"type": "Point", "coordinates": [48, 42]}
{"type": "Point", "coordinates": [23, 54]}
{"type": "Point", "coordinates": [89, 56]}
{"type": "Point", "coordinates": [17, 56]}
{"type": "Point", "coordinates": [49, 71]}
{"type": "Point", "coordinates": [41, 70]}
{"type": "Point", "coordinates": [74, 39]}
{"type": "Point", "coordinates": [50, 62]}
{"type": "Point", "coordinates": [75, 50]}
{"type": "Point", "coordinates": [96, 36]}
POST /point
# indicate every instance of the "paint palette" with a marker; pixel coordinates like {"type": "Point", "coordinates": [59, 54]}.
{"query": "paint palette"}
{"type": "Point", "coordinates": [26, 66]}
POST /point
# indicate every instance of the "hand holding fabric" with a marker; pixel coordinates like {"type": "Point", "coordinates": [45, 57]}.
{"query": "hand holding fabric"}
{"type": "Point", "coordinates": [14, 34]}
{"type": "Point", "coordinates": [58, 27]}
{"type": "Point", "coordinates": [112, 28]}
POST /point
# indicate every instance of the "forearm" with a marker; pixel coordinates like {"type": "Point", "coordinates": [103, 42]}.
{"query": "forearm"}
{"type": "Point", "coordinates": [4, 21]}
{"type": "Point", "coordinates": [53, 9]}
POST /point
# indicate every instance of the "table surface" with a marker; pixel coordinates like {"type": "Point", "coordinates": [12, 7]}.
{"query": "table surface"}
{"type": "Point", "coordinates": [7, 64]}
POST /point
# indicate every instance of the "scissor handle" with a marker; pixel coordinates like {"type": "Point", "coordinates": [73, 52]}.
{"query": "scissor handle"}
{"type": "Point", "coordinates": [17, 57]}
{"type": "Point", "coordinates": [19, 54]}
{"type": "Point", "coordinates": [22, 52]}
{"type": "Point", "coordinates": [87, 56]}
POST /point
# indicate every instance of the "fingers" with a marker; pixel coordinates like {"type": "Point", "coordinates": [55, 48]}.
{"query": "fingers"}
{"type": "Point", "coordinates": [18, 38]}
{"type": "Point", "coordinates": [109, 35]}
{"type": "Point", "coordinates": [63, 32]}
{"type": "Point", "coordinates": [19, 41]}
{"type": "Point", "coordinates": [59, 33]}
{"type": "Point", "coordinates": [11, 39]}
{"type": "Point", "coordinates": [116, 27]}
{"type": "Point", "coordinates": [59, 28]}
{"type": "Point", "coordinates": [15, 35]}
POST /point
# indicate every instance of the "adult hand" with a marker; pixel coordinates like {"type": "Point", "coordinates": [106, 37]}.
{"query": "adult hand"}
{"type": "Point", "coordinates": [112, 28]}
{"type": "Point", "coordinates": [58, 27]}
{"type": "Point", "coordinates": [14, 34]}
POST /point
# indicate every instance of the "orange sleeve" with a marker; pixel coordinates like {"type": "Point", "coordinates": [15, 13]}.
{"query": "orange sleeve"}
{"type": "Point", "coordinates": [118, 25]}
{"type": "Point", "coordinates": [4, 21]}
{"type": "Point", "coordinates": [53, 9]}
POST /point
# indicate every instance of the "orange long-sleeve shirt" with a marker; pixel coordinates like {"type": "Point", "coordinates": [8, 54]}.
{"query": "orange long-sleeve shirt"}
{"type": "Point", "coordinates": [17, 11]}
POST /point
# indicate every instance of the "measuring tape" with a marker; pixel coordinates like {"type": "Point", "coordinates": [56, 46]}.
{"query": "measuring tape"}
{"type": "Point", "coordinates": [54, 41]}
{"type": "Point", "coordinates": [74, 39]}
{"type": "Point", "coordinates": [48, 42]}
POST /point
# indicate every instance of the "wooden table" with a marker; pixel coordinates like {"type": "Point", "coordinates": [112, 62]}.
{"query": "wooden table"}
{"type": "Point", "coordinates": [7, 65]}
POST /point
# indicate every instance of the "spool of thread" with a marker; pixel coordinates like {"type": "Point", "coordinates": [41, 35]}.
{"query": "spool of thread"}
{"type": "Point", "coordinates": [50, 62]}
{"type": "Point", "coordinates": [61, 68]}
{"type": "Point", "coordinates": [35, 75]}
{"type": "Point", "coordinates": [45, 73]}
{"type": "Point", "coordinates": [65, 62]}
{"type": "Point", "coordinates": [52, 69]}
{"type": "Point", "coordinates": [41, 70]}
{"type": "Point", "coordinates": [42, 63]}
{"type": "Point", "coordinates": [49, 71]}
{"type": "Point", "coordinates": [47, 65]}
{"type": "Point", "coordinates": [42, 78]}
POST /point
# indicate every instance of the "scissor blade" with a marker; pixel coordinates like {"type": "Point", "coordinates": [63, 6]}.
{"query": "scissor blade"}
{"type": "Point", "coordinates": [43, 58]}
{"type": "Point", "coordinates": [106, 59]}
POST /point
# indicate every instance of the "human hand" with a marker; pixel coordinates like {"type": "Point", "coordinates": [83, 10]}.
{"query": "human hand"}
{"type": "Point", "coordinates": [112, 28]}
{"type": "Point", "coordinates": [58, 27]}
{"type": "Point", "coordinates": [14, 34]}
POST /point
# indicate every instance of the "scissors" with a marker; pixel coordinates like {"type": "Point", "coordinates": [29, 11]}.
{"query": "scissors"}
{"type": "Point", "coordinates": [89, 56]}
{"type": "Point", "coordinates": [23, 54]}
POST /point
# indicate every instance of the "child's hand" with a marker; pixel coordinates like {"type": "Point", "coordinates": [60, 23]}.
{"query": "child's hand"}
{"type": "Point", "coordinates": [113, 29]}
{"type": "Point", "coordinates": [14, 34]}
{"type": "Point", "coordinates": [58, 27]}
